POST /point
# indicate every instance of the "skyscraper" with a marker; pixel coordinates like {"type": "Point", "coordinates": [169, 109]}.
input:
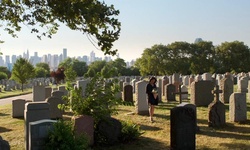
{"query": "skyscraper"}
{"type": "Point", "coordinates": [92, 57]}
{"type": "Point", "coordinates": [65, 53]}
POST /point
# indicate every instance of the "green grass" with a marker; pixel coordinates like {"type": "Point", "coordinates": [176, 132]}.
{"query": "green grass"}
{"type": "Point", "coordinates": [156, 135]}
{"type": "Point", "coordinates": [5, 94]}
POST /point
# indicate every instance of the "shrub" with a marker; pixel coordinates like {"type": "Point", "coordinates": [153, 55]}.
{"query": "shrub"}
{"type": "Point", "coordinates": [130, 132]}
{"type": "Point", "coordinates": [62, 137]}
{"type": "Point", "coordinates": [3, 75]}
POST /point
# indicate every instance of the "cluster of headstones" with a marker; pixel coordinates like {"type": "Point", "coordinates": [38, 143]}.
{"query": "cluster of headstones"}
{"type": "Point", "coordinates": [203, 89]}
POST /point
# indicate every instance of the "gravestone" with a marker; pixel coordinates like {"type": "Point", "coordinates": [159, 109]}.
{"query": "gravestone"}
{"type": "Point", "coordinates": [207, 77]}
{"type": "Point", "coordinates": [197, 78]}
{"type": "Point", "coordinates": [185, 90]}
{"type": "Point", "coordinates": [58, 94]}
{"type": "Point", "coordinates": [170, 92]}
{"type": "Point", "coordinates": [63, 89]}
{"type": "Point", "coordinates": [55, 112]}
{"type": "Point", "coordinates": [18, 106]}
{"type": "Point", "coordinates": [38, 132]}
{"type": "Point", "coordinates": [4, 145]}
{"type": "Point", "coordinates": [83, 85]}
{"type": "Point", "coordinates": [141, 103]}
{"type": "Point", "coordinates": [216, 111]}
{"type": "Point", "coordinates": [34, 111]}
{"type": "Point", "coordinates": [38, 93]}
{"type": "Point", "coordinates": [185, 80]}
{"type": "Point", "coordinates": [227, 87]}
{"type": "Point", "coordinates": [84, 124]}
{"type": "Point", "coordinates": [182, 128]}
{"type": "Point", "coordinates": [165, 81]}
{"type": "Point", "coordinates": [159, 85]}
{"type": "Point", "coordinates": [190, 80]}
{"type": "Point", "coordinates": [133, 84]}
{"type": "Point", "coordinates": [127, 94]}
{"type": "Point", "coordinates": [242, 85]}
{"type": "Point", "coordinates": [180, 92]}
{"type": "Point", "coordinates": [238, 107]}
{"type": "Point", "coordinates": [48, 91]}
{"type": "Point", "coordinates": [176, 81]}
{"type": "Point", "coordinates": [200, 93]}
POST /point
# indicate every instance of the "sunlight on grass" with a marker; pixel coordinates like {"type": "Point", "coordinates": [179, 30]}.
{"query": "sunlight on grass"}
{"type": "Point", "coordinates": [155, 135]}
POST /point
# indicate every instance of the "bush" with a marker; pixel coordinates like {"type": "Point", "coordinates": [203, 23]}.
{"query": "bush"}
{"type": "Point", "coordinates": [3, 75]}
{"type": "Point", "coordinates": [63, 138]}
{"type": "Point", "coordinates": [130, 132]}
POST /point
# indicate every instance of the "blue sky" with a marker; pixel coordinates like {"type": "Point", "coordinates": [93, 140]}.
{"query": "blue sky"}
{"type": "Point", "coordinates": [146, 23]}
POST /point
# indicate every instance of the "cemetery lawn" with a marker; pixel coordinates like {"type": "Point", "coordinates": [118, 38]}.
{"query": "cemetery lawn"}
{"type": "Point", "coordinates": [156, 135]}
{"type": "Point", "coordinates": [5, 94]}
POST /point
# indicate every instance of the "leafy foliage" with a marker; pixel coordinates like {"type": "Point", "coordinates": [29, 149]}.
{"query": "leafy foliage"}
{"type": "Point", "coordinates": [62, 137]}
{"type": "Point", "coordinates": [130, 132]}
{"type": "Point", "coordinates": [43, 17]}
{"type": "Point", "coordinates": [58, 75]}
{"type": "Point", "coordinates": [3, 75]}
{"type": "Point", "coordinates": [22, 71]}
{"type": "Point", "coordinates": [5, 70]}
{"type": "Point", "coordinates": [80, 67]}
{"type": "Point", "coordinates": [45, 66]}
{"type": "Point", "coordinates": [99, 101]}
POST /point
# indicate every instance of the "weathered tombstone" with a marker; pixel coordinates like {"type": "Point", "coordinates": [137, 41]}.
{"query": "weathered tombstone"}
{"type": "Point", "coordinates": [83, 85]}
{"type": "Point", "coordinates": [48, 91]}
{"type": "Point", "coordinates": [176, 81]}
{"type": "Point", "coordinates": [217, 111]}
{"type": "Point", "coordinates": [207, 77]}
{"type": "Point", "coordinates": [18, 108]}
{"type": "Point", "coordinates": [133, 84]}
{"type": "Point", "coordinates": [182, 128]}
{"type": "Point", "coordinates": [159, 85]}
{"type": "Point", "coordinates": [165, 81]}
{"type": "Point", "coordinates": [170, 92]}
{"type": "Point", "coordinates": [55, 112]}
{"type": "Point", "coordinates": [242, 85]}
{"type": "Point", "coordinates": [63, 89]}
{"type": "Point", "coordinates": [127, 94]}
{"type": "Point", "coordinates": [191, 80]}
{"type": "Point", "coordinates": [38, 93]}
{"type": "Point", "coordinates": [227, 87]}
{"type": "Point", "coordinates": [197, 78]}
{"type": "Point", "coordinates": [34, 111]}
{"type": "Point", "coordinates": [141, 103]}
{"type": "Point", "coordinates": [180, 92]}
{"type": "Point", "coordinates": [4, 145]}
{"type": "Point", "coordinates": [238, 107]}
{"type": "Point", "coordinates": [184, 89]}
{"type": "Point", "coordinates": [185, 80]}
{"type": "Point", "coordinates": [200, 93]}
{"type": "Point", "coordinates": [84, 124]}
{"type": "Point", "coordinates": [38, 132]}
{"type": "Point", "coordinates": [58, 94]}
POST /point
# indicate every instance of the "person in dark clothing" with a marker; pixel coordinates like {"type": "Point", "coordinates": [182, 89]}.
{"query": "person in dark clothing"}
{"type": "Point", "coordinates": [152, 93]}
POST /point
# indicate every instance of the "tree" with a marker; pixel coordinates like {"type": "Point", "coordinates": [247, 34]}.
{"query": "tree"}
{"type": "Point", "coordinates": [44, 17]}
{"type": "Point", "coordinates": [233, 57]}
{"type": "Point", "coordinates": [5, 70]}
{"type": "Point", "coordinates": [58, 75]}
{"type": "Point", "coordinates": [40, 72]}
{"type": "Point", "coordinates": [22, 71]}
{"type": "Point", "coordinates": [97, 65]}
{"type": "Point", "coordinates": [119, 64]}
{"type": "Point", "coordinates": [45, 66]}
{"type": "Point", "coordinates": [80, 67]}
{"type": "Point", "coordinates": [3, 75]}
{"type": "Point", "coordinates": [202, 56]}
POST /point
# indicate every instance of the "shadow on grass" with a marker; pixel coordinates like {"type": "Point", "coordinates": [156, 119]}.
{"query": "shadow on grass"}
{"type": "Point", "coordinates": [1, 114]}
{"type": "Point", "coordinates": [143, 143]}
{"type": "Point", "coordinates": [236, 146]}
{"type": "Point", "coordinates": [167, 117]}
{"type": "Point", "coordinates": [149, 128]}
{"type": "Point", "coordinates": [229, 131]}
{"type": "Point", "coordinates": [2, 130]}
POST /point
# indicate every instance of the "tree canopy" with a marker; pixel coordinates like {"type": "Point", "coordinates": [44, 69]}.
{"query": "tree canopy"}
{"type": "Point", "coordinates": [194, 58]}
{"type": "Point", "coordinates": [43, 17]}
{"type": "Point", "coordinates": [22, 71]}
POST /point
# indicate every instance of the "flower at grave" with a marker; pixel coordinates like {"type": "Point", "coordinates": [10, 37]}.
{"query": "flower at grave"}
{"type": "Point", "coordinates": [155, 91]}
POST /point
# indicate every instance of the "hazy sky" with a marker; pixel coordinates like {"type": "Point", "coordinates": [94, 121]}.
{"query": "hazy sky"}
{"type": "Point", "coordinates": [146, 23]}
